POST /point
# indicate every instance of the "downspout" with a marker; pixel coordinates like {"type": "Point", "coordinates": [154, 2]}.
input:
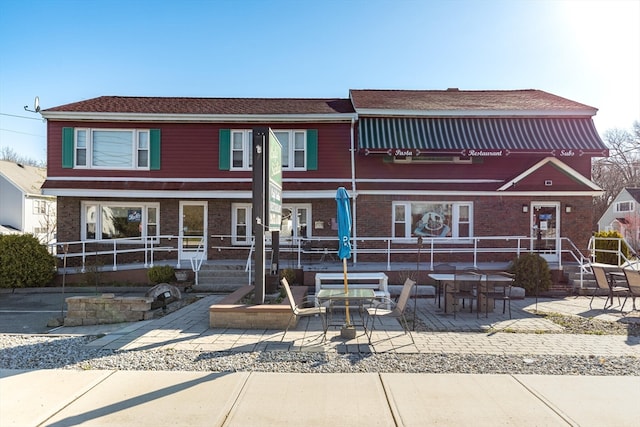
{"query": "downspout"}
{"type": "Point", "coordinates": [353, 191]}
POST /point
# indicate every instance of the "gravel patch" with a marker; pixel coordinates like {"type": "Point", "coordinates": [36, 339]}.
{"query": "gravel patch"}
{"type": "Point", "coordinates": [43, 352]}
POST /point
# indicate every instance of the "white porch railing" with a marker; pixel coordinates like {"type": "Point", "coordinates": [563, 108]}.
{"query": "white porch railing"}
{"type": "Point", "coordinates": [385, 247]}
{"type": "Point", "coordinates": [114, 248]}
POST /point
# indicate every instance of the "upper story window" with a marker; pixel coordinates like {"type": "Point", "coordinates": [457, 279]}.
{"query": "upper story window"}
{"type": "Point", "coordinates": [299, 149]}
{"type": "Point", "coordinates": [624, 206]}
{"type": "Point", "coordinates": [111, 148]}
{"type": "Point", "coordinates": [294, 148]}
{"type": "Point", "coordinates": [241, 149]}
{"type": "Point", "coordinates": [39, 207]}
{"type": "Point", "coordinates": [432, 219]}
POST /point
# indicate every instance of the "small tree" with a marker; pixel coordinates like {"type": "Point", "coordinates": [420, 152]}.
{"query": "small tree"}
{"type": "Point", "coordinates": [25, 262]}
{"type": "Point", "coordinates": [532, 273]}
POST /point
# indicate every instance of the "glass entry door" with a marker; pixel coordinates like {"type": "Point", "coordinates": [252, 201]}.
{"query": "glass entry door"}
{"type": "Point", "coordinates": [193, 230]}
{"type": "Point", "coordinates": [545, 230]}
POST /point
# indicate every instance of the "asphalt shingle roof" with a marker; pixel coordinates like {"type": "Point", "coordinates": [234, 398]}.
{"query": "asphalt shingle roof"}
{"type": "Point", "coordinates": [463, 100]}
{"type": "Point", "coordinates": [215, 106]}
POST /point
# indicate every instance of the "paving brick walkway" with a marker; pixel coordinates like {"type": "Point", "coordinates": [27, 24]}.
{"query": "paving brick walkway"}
{"type": "Point", "coordinates": [526, 333]}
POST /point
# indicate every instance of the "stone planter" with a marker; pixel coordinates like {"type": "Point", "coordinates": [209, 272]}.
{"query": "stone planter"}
{"type": "Point", "coordinates": [231, 313]}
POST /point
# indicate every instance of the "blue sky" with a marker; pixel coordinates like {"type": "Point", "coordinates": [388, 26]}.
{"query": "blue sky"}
{"type": "Point", "coordinates": [70, 50]}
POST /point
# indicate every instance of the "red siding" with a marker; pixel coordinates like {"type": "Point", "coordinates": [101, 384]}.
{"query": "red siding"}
{"type": "Point", "coordinates": [191, 151]}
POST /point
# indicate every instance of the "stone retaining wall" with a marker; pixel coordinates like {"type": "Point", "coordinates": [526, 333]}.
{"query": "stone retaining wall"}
{"type": "Point", "coordinates": [97, 310]}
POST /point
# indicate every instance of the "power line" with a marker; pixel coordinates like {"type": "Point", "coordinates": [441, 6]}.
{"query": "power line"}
{"type": "Point", "coordinates": [23, 133]}
{"type": "Point", "coordinates": [21, 117]}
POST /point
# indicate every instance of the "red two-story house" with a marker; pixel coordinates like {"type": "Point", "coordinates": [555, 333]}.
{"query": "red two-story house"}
{"type": "Point", "coordinates": [473, 176]}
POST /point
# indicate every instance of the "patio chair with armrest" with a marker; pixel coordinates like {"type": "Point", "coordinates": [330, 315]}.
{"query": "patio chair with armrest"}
{"type": "Point", "coordinates": [604, 284]}
{"type": "Point", "coordinates": [633, 281]}
{"type": "Point", "coordinates": [299, 310]}
{"type": "Point", "coordinates": [386, 307]}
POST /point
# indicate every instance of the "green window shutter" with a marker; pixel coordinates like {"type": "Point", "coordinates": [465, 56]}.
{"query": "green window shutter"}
{"type": "Point", "coordinates": [224, 152]}
{"type": "Point", "coordinates": [312, 149]}
{"type": "Point", "coordinates": [67, 147]}
{"type": "Point", "coordinates": [154, 149]}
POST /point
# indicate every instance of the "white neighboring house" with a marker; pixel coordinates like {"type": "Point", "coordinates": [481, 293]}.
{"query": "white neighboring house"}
{"type": "Point", "coordinates": [23, 207]}
{"type": "Point", "coordinates": [623, 215]}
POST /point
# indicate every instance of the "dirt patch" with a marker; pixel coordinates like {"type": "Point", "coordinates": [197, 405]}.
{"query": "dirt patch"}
{"type": "Point", "coordinates": [581, 325]}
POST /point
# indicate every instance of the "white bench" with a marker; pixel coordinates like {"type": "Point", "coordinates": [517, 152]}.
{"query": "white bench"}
{"type": "Point", "coordinates": [379, 282]}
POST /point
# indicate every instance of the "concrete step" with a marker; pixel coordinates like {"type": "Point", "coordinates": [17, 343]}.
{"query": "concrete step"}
{"type": "Point", "coordinates": [223, 278]}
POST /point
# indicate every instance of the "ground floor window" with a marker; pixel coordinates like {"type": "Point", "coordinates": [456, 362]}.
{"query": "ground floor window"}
{"type": "Point", "coordinates": [113, 220]}
{"type": "Point", "coordinates": [432, 219]}
{"type": "Point", "coordinates": [294, 225]}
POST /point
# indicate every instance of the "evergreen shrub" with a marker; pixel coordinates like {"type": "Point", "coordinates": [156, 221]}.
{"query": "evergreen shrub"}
{"type": "Point", "coordinates": [161, 274]}
{"type": "Point", "coordinates": [603, 243]}
{"type": "Point", "coordinates": [531, 269]}
{"type": "Point", "coordinates": [25, 262]}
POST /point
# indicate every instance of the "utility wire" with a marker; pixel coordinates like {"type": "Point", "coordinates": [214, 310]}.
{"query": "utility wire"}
{"type": "Point", "coordinates": [23, 133]}
{"type": "Point", "coordinates": [20, 117]}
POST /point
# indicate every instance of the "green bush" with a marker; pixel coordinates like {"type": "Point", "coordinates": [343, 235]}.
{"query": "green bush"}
{"type": "Point", "coordinates": [25, 262]}
{"type": "Point", "coordinates": [161, 274]}
{"type": "Point", "coordinates": [609, 245]}
{"type": "Point", "coordinates": [530, 270]}
{"type": "Point", "coordinates": [289, 274]}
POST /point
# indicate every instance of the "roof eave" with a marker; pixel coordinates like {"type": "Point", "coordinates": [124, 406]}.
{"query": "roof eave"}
{"type": "Point", "coordinates": [198, 118]}
{"type": "Point", "coordinates": [478, 113]}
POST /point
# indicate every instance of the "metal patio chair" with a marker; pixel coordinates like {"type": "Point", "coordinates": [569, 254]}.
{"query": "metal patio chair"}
{"type": "Point", "coordinates": [605, 283]}
{"type": "Point", "coordinates": [497, 291]}
{"type": "Point", "coordinates": [302, 311]}
{"type": "Point", "coordinates": [633, 281]}
{"type": "Point", "coordinates": [395, 310]}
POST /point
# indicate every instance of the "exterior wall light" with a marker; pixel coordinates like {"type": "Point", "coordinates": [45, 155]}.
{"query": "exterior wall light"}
{"type": "Point", "coordinates": [525, 208]}
{"type": "Point", "coordinates": [568, 208]}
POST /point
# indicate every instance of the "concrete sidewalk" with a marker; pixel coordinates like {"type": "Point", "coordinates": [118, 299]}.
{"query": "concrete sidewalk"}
{"type": "Point", "coordinates": [151, 398]}
{"type": "Point", "coordinates": [125, 398]}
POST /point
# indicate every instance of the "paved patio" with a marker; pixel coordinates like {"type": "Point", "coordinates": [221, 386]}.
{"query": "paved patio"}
{"type": "Point", "coordinates": [526, 333]}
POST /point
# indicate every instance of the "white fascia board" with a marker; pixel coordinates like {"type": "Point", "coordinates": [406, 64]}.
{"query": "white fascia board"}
{"type": "Point", "coordinates": [141, 179]}
{"type": "Point", "coordinates": [481, 193]}
{"type": "Point", "coordinates": [138, 194]}
{"type": "Point", "coordinates": [198, 118]}
{"type": "Point", "coordinates": [209, 180]}
{"type": "Point", "coordinates": [127, 194]}
{"type": "Point", "coordinates": [375, 112]}
{"type": "Point", "coordinates": [431, 181]}
{"type": "Point", "coordinates": [561, 165]}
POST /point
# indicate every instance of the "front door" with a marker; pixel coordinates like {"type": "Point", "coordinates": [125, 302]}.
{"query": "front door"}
{"type": "Point", "coordinates": [545, 230]}
{"type": "Point", "coordinates": [193, 230]}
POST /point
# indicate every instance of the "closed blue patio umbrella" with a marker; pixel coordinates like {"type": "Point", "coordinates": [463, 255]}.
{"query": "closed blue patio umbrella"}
{"type": "Point", "coordinates": [344, 236]}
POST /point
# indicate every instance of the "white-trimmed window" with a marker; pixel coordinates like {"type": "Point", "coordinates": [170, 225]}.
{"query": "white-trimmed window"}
{"type": "Point", "coordinates": [295, 223]}
{"type": "Point", "coordinates": [294, 149]}
{"type": "Point", "coordinates": [241, 223]}
{"type": "Point", "coordinates": [241, 149]}
{"type": "Point", "coordinates": [39, 207]}
{"type": "Point", "coordinates": [624, 206]}
{"type": "Point", "coordinates": [112, 148]}
{"type": "Point", "coordinates": [432, 219]}
{"type": "Point", "coordinates": [113, 220]}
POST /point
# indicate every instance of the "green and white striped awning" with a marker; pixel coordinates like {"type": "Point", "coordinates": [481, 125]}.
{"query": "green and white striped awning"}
{"type": "Point", "coordinates": [485, 136]}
